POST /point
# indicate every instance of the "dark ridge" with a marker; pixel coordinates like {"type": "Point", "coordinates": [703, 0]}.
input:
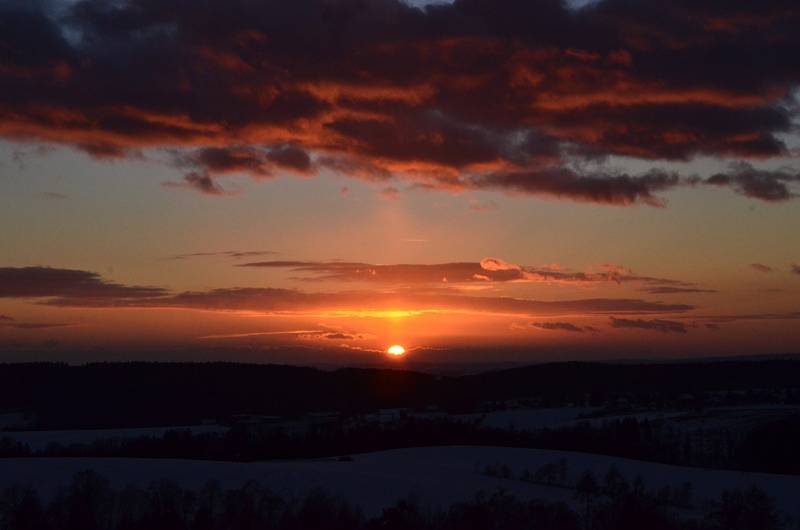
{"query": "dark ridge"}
{"type": "Point", "coordinates": [151, 394]}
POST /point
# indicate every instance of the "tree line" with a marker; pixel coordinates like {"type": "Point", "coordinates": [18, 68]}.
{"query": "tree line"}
{"type": "Point", "coordinates": [91, 503]}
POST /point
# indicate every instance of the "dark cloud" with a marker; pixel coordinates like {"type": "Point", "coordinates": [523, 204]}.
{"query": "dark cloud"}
{"type": "Point", "coordinates": [333, 335]}
{"type": "Point", "coordinates": [620, 190]}
{"type": "Point", "coordinates": [663, 326]}
{"type": "Point", "coordinates": [795, 268]}
{"type": "Point", "coordinates": [677, 290]}
{"type": "Point", "coordinates": [236, 254]}
{"type": "Point", "coordinates": [34, 325]}
{"type": "Point", "coordinates": [45, 282]}
{"type": "Point", "coordinates": [325, 333]}
{"type": "Point", "coordinates": [257, 162]}
{"type": "Point", "coordinates": [338, 336]}
{"type": "Point", "coordinates": [795, 315]}
{"type": "Point", "coordinates": [771, 186]}
{"type": "Point", "coordinates": [291, 157]}
{"type": "Point", "coordinates": [499, 94]}
{"type": "Point", "coordinates": [227, 160]}
{"type": "Point", "coordinates": [760, 267]}
{"type": "Point", "coordinates": [563, 326]}
{"type": "Point", "coordinates": [201, 182]}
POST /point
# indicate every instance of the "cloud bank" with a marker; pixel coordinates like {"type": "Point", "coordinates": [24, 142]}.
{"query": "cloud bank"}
{"type": "Point", "coordinates": [488, 270]}
{"type": "Point", "coordinates": [513, 95]}
{"type": "Point", "coordinates": [662, 326]}
{"type": "Point", "coordinates": [74, 288]}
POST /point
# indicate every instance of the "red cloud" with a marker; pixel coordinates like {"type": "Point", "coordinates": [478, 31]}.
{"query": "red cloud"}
{"type": "Point", "coordinates": [474, 94]}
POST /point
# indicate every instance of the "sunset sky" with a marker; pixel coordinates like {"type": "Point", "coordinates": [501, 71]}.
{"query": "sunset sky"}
{"type": "Point", "coordinates": [480, 181]}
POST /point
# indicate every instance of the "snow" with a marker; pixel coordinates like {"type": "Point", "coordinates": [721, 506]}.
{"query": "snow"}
{"type": "Point", "coordinates": [527, 419]}
{"type": "Point", "coordinates": [436, 476]}
{"type": "Point", "coordinates": [37, 440]}
{"type": "Point", "coordinates": [734, 418]}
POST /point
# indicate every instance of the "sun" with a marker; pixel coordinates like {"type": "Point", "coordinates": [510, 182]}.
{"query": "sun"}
{"type": "Point", "coordinates": [396, 350]}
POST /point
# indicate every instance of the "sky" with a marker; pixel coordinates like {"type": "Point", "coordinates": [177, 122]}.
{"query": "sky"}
{"type": "Point", "coordinates": [478, 181]}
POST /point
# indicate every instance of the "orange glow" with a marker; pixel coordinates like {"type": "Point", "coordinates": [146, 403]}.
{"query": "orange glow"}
{"type": "Point", "coordinates": [396, 350]}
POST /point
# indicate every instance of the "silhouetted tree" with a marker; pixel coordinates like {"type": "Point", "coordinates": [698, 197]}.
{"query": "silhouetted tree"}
{"type": "Point", "coordinates": [750, 509]}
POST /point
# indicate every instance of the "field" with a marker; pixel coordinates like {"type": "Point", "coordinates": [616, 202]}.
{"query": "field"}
{"type": "Point", "coordinates": [437, 476]}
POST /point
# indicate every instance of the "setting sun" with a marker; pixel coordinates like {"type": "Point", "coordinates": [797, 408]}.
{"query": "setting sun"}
{"type": "Point", "coordinates": [396, 350]}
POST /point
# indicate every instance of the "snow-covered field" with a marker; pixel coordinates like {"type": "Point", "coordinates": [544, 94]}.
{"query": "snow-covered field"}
{"type": "Point", "coordinates": [436, 476]}
{"type": "Point", "coordinates": [527, 419]}
{"type": "Point", "coordinates": [734, 418]}
{"type": "Point", "coordinates": [37, 440]}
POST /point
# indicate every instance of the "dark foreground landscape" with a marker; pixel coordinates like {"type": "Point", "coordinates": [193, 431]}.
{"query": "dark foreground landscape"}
{"type": "Point", "coordinates": [571, 445]}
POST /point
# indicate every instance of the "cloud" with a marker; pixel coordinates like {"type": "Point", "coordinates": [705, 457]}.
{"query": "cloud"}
{"type": "Point", "coordinates": [603, 188]}
{"type": "Point", "coordinates": [291, 157]}
{"type": "Point", "coordinates": [487, 270]}
{"type": "Point", "coordinates": [663, 326]}
{"type": "Point", "coordinates": [229, 159]}
{"type": "Point", "coordinates": [283, 300]}
{"type": "Point", "coordinates": [334, 335]}
{"type": "Point", "coordinates": [367, 303]}
{"type": "Point", "coordinates": [562, 326]}
{"type": "Point", "coordinates": [497, 264]}
{"type": "Point", "coordinates": [387, 274]}
{"type": "Point", "coordinates": [46, 282]}
{"type": "Point", "coordinates": [8, 322]}
{"type": "Point", "coordinates": [236, 254]}
{"type": "Point", "coordinates": [76, 288]}
{"type": "Point", "coordinates": [748, 316]}
{"type": "Point", "coordinates": [34, 325]}
{"type": "Point", "coordinates": [306, 334]}
{"type": "Point", "coordinates": [476, 94]}
{"type": "Point", "coordinates": [255, 161]}
{"type": "Point", "coordinates": [761, 267]}
{"type": "Point", "coordinates": [201, 182]}
{"type": "Point", "coordinates": [677, 290]}
{"type": "Point", "coordinates": [770, 186]}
